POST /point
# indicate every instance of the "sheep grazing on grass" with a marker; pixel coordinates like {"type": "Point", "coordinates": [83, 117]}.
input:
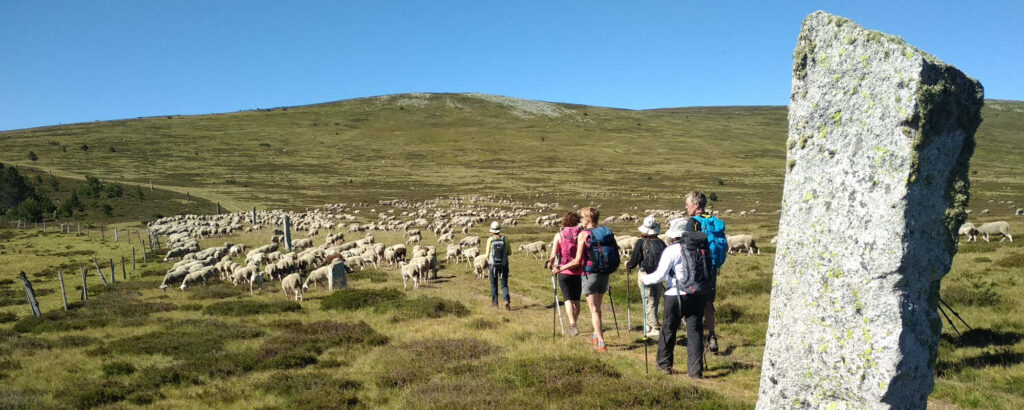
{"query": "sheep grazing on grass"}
{"type": "Point", "coordinates": [411, 232]}
{"type": "Point", "coordinates": [469, 242]}
{"type": "Point", "coordinates": [983, 211]}
{"type": "Point", "coordinates": [410, 271]}
{"type": "Point", "coordinates": [746, 242]}
{"type": "Point", "coordinates": [452, 252]}
{"type": "Point", "coordinates": [970, 231]}
{"type": "Point", "coordinates": [173, 277]}
{"type": "Point", "coordinates": [996, 228]}
{"type": "Point", "coordinates": [538, 248]}
{"type": "Point", "coordinates": [1019, 212]}
{"type": "Point", "coordinates": [480, 266]}
{"type": "Point", "coordinates": [319, 275]}
{"type": "Point", "coordinates": [302, 244]}
{"type": "Point", "coordinates": [424, 265]}
{"type": "Point", "coordinates": [292, 283]}
{"type": "Point", "coordinates": [446, 238]}
{"type": "Point", "coordinates": [194, 277]}
{"type": "Point", "coordinates": [414, 239]}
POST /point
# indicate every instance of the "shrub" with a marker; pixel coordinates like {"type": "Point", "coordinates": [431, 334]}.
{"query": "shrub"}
{"type": "Point", "coordinates": [316, 390]}
{"type": "Point", "coordinates": [428, 307]}
{"type": "Point", "coordinates": [353, 299]}
{"type": "Point", "coordinates": [6, 317]}
{"type": "Point", "coordinates": [1013, 261]}
{"type": "Point", "coordinates": [712, 197]}
{"type": "Point", "coordinates": [250, 307]}
{"type": "Point", "coordinates": [411, 363]}
{"type": "Point", "coordinates": [118, 369]}
{"type": "Point", "coordinates": [73, 341]}
{"type": "Point", "coordinates": [32, 156]}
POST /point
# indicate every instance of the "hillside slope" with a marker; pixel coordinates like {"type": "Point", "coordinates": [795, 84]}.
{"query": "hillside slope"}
{"type": "Point", "coordinates": [424, 145]}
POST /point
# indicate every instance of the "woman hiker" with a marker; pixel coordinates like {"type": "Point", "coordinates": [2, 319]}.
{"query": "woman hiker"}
{"type": "Point", "coordinates": [563, 249]}
{"type": "Point", "coordinates": [498, 252]}
{"type": "Point", "coordinates": [646, 255]}
{"type": "Point", "coordinates": [594, 285]}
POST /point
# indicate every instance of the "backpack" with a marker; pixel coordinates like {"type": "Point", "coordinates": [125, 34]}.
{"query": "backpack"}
{"type": "Point", "coordinates": [567, 245]}
{"type": "Point", "coordinates": [698, 277]}
{"type": "Point", "coordinates": [714, 228]}
{"type": "Point", "coordinates": [603, 251]}
{"type": "Point", "coordinates": [652, 249]}
{"type": "Point", "coordinates": [498, 251]}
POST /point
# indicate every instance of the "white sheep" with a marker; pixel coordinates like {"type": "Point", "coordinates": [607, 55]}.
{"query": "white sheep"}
{"type": "Point", "coordinates": [256, 281]}
{"type": "Point", "coordinates": [970, 231]}
{"type": "Point", "coordinates": [535, 248]}
{"type": "Point", "coordinates": [996, 228]}
{"type": "Point", "coordinates": [414, 239]}
{"type": "Point", "coordinates": [292, 283]}
{"type": "Point", "coordinates": [410, 271]}
{"type": "Point", "coordinates": [192, 277]}
{"type": "Point", "coordinates": [453, 252]}
{"type": "Point", "coordinates": [319, 274]}
{"type": "Point", "coordinates": [480, 266]}
{"type": "Point", "coordinates": [470, 254]}
{"type": "Point", "coordinates": [737, 242]}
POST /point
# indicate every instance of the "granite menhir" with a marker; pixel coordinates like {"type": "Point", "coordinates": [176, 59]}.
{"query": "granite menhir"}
{"type": "Point", "coordinates": [880, 138]}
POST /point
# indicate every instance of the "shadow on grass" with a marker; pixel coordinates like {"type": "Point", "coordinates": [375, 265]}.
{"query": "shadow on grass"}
{"type": "Point", "coordinates": [250, 307]}
{"type": "Point", "coordinates": [984, 338]}
{"type": "Point", "coordinates": [1002, 357]}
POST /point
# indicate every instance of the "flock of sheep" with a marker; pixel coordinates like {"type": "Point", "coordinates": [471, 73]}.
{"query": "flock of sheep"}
{"type": "Point", "coordinates": [325, 259]}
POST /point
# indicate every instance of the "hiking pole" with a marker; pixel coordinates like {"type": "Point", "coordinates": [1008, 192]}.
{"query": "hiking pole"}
{"type": "Point", "coordinates": [950, 321]}
{"type": "Point", "coordinates": [616, 319]}
{"type": "Point", "coordinates": [956, 314]}
{"type": "Point", "coordinates": [629, 321]}
{"type": "Point", "coordinates": [558, 310]}
{"type": "Point", "coordinates": [643, 300]}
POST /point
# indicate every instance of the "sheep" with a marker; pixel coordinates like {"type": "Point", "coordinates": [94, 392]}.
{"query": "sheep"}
{"type": "Point", "coordinates": [413, 239]}
{"type": "Point", "coordinates": [737, 242]}
{"type": "Point", "coordinates": [535, 248]}
{"type": "Point", "coordinates": [996, 228]}
{"type": "Point", "coordinates": [480, 266]}
{"type": "Point", "coordinates": [1019, 212]}
{"type": "Point", "coordinates": [292, 283]}
{"type": "Point", "coordinates": [470, 254]}
{"type": "Point", "coordinates": [193, 277]}
{"type": "Point", "coordinates": [243, 274]}
{"type": "Point", "coordinates": [968, 229]}
{"type": "Point", "coordinates": [256, 281]}
{"type": "Point", "coordinates": [469, 241]}
{"type": "Point", "coordinates": [743, 213]}
{"type": "Point", "coordinates": [302, 244]}
{"type": "Point", "coordinates": [447, 237]}
{"type": "Point", "coordinates": [453, 252]}
{"type": "Point", "coordinates": [173, 276]}
{"type": "Point", "coordinates": [319, 274]}
{"type": "Point", "coordinates": [410, 271]}
{"type": "Point", "coordinates": [983, 211]}
{"type": "Point", "coordinates": [424, 264]}
{"type": "Point", "coordinates": [177, 253]}
{"type": "Point", "coordinates": [411, 232]}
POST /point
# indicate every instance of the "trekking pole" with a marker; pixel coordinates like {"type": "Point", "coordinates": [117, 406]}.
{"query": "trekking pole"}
{"type": "Point", "coordinates": [950, 321]}
{"type": "Point", "coordinates": [643, 300]}
{"type": "Point", "coordinates": [616, 319]}
{"type": "Point", "coordinates": [955, 313]}
{"type": "Point", "coordinates": [629, 321]}
{"type": "Point", "coordinates": [558, 310]}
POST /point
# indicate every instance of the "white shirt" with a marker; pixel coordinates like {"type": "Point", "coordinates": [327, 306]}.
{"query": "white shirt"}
{"type": "Point", "coordinates": [671, 260]}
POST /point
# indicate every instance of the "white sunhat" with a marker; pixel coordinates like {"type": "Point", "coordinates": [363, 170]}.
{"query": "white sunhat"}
{"type": "Point", "coordinates": [676, 227]}
{"type": "Point", "coordinates": [495, 227]}
{"type": "Point", "coordinates": [650, 226]}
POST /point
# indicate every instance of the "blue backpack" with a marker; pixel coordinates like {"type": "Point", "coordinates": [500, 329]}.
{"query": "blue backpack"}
{"type": "Point", "coordinates": [603, 251]}
{"type": "Point", "coordinates": [714, 228]}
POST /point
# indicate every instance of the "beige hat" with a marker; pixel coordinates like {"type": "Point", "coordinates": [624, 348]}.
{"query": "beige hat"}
{"type": "Point", "coordinates": [676, 227]}
{"type": "Point", "coordinates": [495, 227]}
{"type": "Point", "coordinates": [650, 226]}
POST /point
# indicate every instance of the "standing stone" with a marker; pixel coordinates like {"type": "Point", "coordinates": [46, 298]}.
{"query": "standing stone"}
{"type": "Point", "coordinates": [880, 138]}
{"type": "Point", "coordinates": [287, 233]}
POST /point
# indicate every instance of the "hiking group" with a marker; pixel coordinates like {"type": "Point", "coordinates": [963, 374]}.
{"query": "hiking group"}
{"type": "Point", "coordinates": [684, 271]}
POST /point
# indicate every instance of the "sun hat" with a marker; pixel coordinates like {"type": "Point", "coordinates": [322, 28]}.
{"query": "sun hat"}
{"type": "Point", "coordinates": [676, 227]}
{"type": "Point", "coordinates": [495, 227]}
{"type": "Point", "coordinates": [650, 226]}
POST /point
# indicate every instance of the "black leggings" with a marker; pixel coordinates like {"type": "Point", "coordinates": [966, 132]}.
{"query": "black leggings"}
{"type": "Point", "coordinates": [572, 286]}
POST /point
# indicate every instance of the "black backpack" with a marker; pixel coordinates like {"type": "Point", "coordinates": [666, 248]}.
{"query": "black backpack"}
{"type": "Point", "coordinates": [498, 251]}
{"type": "Point", "coordinates": [697, 257]}
{"type": "Point", "coordinates": [651, 251]}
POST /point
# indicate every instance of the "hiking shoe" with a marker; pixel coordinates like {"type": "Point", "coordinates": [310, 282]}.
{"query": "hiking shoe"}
{"type": "Point", "coordinates": [667, 370]}
{"type": "Point", "coordinates": [653, 334]}
{"type": "Point", "coordinates": [573, 330]}
{"type": "Point", "coordinates": [508, 307]}
{"type": "Point", "coordinates": [601, 347]}
{"type": "Point", "coordinates": [713, 343]}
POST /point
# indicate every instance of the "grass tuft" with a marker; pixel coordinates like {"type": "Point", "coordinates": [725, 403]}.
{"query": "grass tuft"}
{"type": "Point", "coordinates": [316, 390]}
{"type": "Point", "coordinates": [353, 299]}
{"type": "Point", "coordinates": [118, 368]}
{"type": "Point", "coordinates": [251, 307]}
{"type": "Point", "coordinates": [428, 307]}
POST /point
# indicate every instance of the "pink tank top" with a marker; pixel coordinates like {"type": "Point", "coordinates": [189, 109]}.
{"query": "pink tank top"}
{"type": "Point", "coordinates": [567, 246]}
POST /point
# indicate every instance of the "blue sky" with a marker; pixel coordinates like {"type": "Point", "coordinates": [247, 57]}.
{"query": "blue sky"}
{"type": "Point", "coordinates": [78, 61]}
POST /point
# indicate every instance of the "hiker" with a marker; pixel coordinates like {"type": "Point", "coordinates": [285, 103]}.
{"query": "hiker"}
{"type": "Point", "coordinates": [695, 203]}
{"type": "Point", "coordinates": [563, 249]}
{"type": "Point", "coordinates": [498, 252]}
{"type": "Point", "coordinates": [646, 255]}
{"type": "Point", "coordinates": [594, 284]}
{"type": "Point", "coordinates": [678, 265]}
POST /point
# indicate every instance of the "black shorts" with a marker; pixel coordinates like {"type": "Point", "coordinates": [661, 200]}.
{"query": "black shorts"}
{"type": "Point", "coordinates": [572, 286]}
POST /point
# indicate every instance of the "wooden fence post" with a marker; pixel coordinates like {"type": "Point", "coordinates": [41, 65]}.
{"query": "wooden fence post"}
{"type": "Point", "coordinates": [151, 185]}
{"type": "Point", "coordinates": [143, 254]}
{"type": "Point", "coordinates": [139, 235]}
{"type": "Point", "coordinates": [85, 284]}
{"type": "Point", "coordinates": [115, 234]}
{"type": "Point", "coordinates": [133, 258]}
{"type": "Point", "coordinates": [63, 291]}
{"type": "Point", "coordinates": [79, 229]}
{"type": "Point", "coordinates": [103, 236]}
{"type": "Point", "coordinates": [124, 271]}
{"type": "Point", "coordinates": [113, 271]}
{"type": "Point", "coordinates": [100, 272]}
{"type": "Point", "coordinates": [31, 294]}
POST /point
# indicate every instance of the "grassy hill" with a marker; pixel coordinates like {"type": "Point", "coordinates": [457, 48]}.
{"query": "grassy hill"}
{"type": "Point", "coordinates": [122, 345]}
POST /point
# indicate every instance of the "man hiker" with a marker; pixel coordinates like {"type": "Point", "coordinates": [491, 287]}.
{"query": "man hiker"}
{"type": "Point", "coordinates": [695, 203]}
{"type": "Point", "coordinates": [498, 252]}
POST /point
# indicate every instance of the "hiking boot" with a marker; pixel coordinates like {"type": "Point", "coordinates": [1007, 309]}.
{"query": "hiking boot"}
{"type": "Point", "coordinates": [667, 370]}
{"type": "Point", "coordinates": [508, 307]}
{"type": "Point", "coordinates": [601, 347]}
{"type": "Point", "coordinates": [573, 330]}
{"type": "Point", "coordinates": [713, 343]}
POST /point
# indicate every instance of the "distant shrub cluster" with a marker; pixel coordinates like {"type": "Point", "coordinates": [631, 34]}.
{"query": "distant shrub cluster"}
{"type": "Point", "coordinates": [19, 199]}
